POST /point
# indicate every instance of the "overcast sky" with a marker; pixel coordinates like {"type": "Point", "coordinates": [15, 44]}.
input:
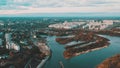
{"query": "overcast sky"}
{"type": "Point", "coordinates": [59, 6]}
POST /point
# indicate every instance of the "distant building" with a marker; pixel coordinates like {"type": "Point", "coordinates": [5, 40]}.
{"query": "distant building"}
{"type": "Point", "coordinates": [92, 25]}
{"type": "Point", "coordinates": [8, 37]}
{"type": "Point", "coordinates": [10, 44]}
{"type": "Point", "coordinates": [66, 25]}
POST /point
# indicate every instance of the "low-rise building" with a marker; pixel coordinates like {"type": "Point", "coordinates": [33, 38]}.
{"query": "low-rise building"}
{"type": "Point", "coordinates": [98, 25]}
{"type": "Point", "coordinates": [12, 45]}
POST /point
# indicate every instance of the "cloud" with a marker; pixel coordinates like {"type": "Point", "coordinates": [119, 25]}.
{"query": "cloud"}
{"type": "Point", "coordinates": [19, 6]}
{"type": "Point", "coordinates": [59, 3]}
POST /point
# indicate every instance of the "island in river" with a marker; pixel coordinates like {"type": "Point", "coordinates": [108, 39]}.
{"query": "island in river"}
{"type": "Point", "coordinates": [90, 43]}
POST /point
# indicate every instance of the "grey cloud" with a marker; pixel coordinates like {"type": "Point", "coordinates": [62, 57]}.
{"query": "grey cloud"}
{"type": "Point", "coordinates": [15, 4]}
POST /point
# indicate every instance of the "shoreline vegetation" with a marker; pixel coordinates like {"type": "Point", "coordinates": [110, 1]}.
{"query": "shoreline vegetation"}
{"type": "Point", "coordinates": [112, 62]}
{"type": "Point", "coordinates": [112, 32]}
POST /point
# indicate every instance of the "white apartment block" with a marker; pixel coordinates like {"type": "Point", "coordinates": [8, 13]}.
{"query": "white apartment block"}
{"type": "Point", "coordinates": [66, 25]}
{"type": "Point", "coordinates": [99, 25]}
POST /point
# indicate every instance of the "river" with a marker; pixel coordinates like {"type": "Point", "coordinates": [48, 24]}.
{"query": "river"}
{"type": "Point", "coordinates": [88, 60]}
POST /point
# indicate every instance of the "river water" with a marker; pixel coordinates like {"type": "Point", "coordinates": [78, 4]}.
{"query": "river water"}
{"type": "Point", "coordinates": [88, 60]}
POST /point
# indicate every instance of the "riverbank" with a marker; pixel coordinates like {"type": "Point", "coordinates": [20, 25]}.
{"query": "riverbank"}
{"type": "Point", "coordinates": [112, 32]}
{"type": "Point", "coordinates": [112, 62]}
{"type": "Point", "coordinates": [43, 61]}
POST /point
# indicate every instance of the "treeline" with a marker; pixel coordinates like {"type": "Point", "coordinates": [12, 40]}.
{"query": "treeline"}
{"type": "Point", "coordinates": [70, 52]}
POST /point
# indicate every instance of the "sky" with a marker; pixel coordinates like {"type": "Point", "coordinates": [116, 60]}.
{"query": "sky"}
{"type": "Point", "coordinates": [13, 7]}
